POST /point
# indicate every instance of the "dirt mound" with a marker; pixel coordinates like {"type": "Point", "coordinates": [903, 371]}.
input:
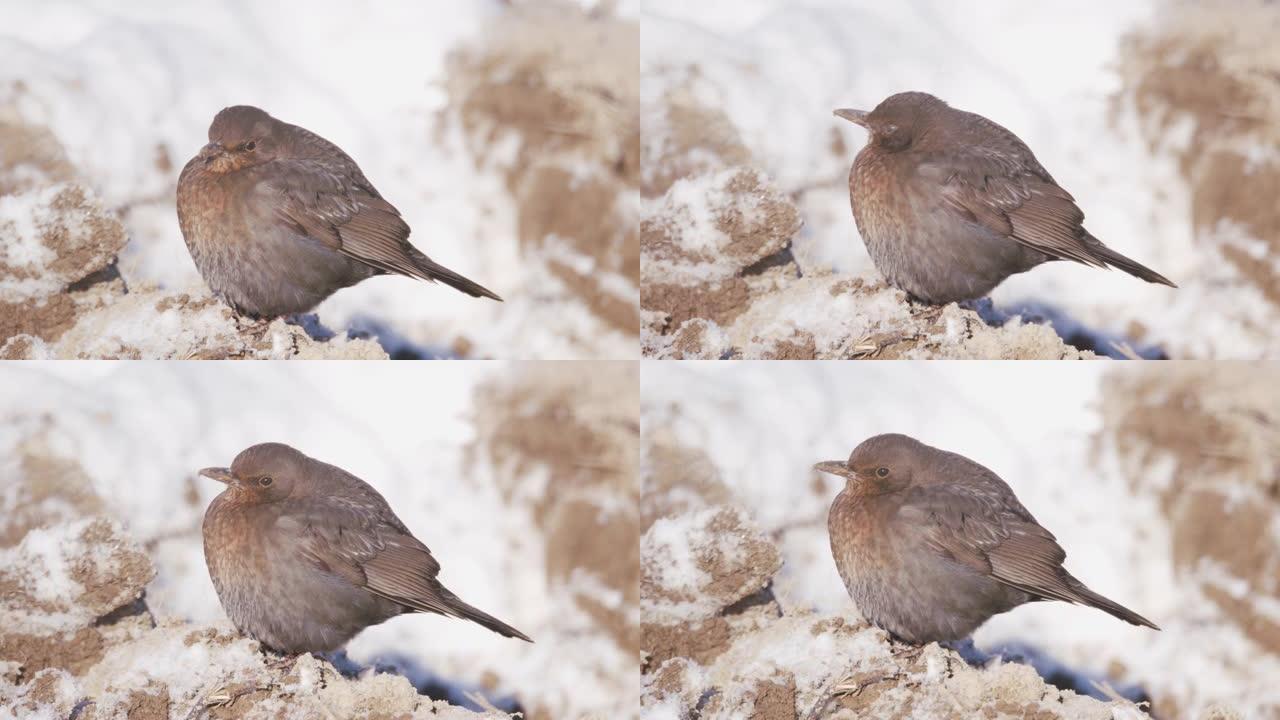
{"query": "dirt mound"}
{"type": "Point", "coordinates": [566, 443]}
{"type": "Point", "coordinates": [561, 85]}
{"type": "Point", "coordinates": [1224, 484]}
{"type": "Point", "coordinates": [1202, 78]}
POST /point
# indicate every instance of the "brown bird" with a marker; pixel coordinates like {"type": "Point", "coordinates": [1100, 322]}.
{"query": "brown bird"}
{"type": "Point", "coordinates": [277, 219]}
{"type": "Point", "coordinates": [949, 204]}
{"type": "Point", "coordinates": [931, 544]}
{"type": "Point", "coordinates": [304, 555]}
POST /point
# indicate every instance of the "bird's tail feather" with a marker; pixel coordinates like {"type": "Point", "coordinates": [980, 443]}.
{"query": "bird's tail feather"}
{"type": "Point", "coordinates": [455, 607]}
{"type": "Point", "coordinates": [1093, 599]}
{"type": "Point", "coordinates": [1134, 268]}
{"type": "Point", "coordinates": [432, 270]}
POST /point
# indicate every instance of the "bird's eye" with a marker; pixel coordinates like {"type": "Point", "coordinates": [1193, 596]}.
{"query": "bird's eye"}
{"type": "Point", "coordinates": [882, 472]}
{"type": "Point", "coordinates": [265, 482]}
{"type": "Point", "coordinates": [251, 145]}
{"type": "Point", "coordinates": [890, 129]}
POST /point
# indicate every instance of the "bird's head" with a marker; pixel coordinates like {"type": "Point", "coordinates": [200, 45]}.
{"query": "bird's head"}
{"type": "Point", "coordinates": [879, 464]}
{"type": "Point", "coordinates": [898, 121]}
{"type": "Point", "coordinates": [240, 136]}
{"type": "Point", "coordinates": [262, 474]}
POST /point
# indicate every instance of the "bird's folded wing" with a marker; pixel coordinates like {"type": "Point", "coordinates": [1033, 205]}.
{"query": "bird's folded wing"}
{"type": "Point", "coordinates": [363, 549]}
{"type": "Point", "coordinates": [990, 534]}
{"type": "Point", "coordinates": [406, 572]}
{"type": "Point", "coordinates": [324, 204]}
{"type": "Point", "coordinates": [994, 189]}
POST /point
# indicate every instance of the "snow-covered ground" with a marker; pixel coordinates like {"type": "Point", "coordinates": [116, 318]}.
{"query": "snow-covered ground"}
{"type": "Point", "coordinates": [1040, 427]}
{"type": "Point", "coordinates": [129, 89]}
{"type": "Point", "coordinates": [1049, 71]}
{"type": "Point", "coordinates": [140, 431]}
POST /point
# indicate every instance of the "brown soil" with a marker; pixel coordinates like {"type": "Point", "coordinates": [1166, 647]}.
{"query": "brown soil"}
{"type": "Point", "coordinates": [720, 303]}
{"type": "Point", "coordinates": [35, 148]}
{"type": "Point", "coordinates": [689, 139]}
{"type": "Point", "coordinates": [1215, 66]}
{"type": "Point", "coordinates": [564, 81]}
{"type": "Point", "coordinates": [48, 489]}
{"type": "Point", "coordinates": [733, 575]}
{"type": "Point", "coordinates": [1222, 431]}
{"type": "Point", "coordinates": [75, 652]}
{"type": "Point", "coordinates": [579, 427]}
{"type": "Point", "coordinates": [667, 465]}
{"type": "Point", "coordinates": [701, 642]}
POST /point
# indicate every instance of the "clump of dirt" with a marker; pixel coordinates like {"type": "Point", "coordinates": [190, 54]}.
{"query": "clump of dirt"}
{"type": "Point", "coordinates": [1213, 68]}
{"type": "Point", "coordinates": [562, 83]}
{"type": "Point", "coordinates": [46, 490]}
{"type": "Point", "coordinates": [676, 479]}
{"type": "Point", "coordinates": [719, 281]}
{"type": "Point", "coordinates": [32, 156]}
{"type": "Point", "coordinates": [1216, 438]}
{"type": "Point", "coordinates": [730, 558]}
{"type": "Point", "coordinates": [565, 444]}
{"type": "Point", "coordinates": [57, 583]}
{"type": "Point", "coordinates": [684, 138]}
{"type": "Point", "coordinates": [718, 646]}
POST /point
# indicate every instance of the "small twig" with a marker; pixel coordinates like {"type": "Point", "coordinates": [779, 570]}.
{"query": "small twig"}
{"type": "Point", "coordinates": [1130, 709]}
{"type": "Point", "coordinates": [1126, 350]}
{"type": "Point", "coordinates": [483, 702]}
{"type": "Point", "coordinates": [841, 688]}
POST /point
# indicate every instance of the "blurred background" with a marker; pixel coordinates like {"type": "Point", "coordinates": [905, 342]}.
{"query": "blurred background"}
{"type": "Point", "coordinates": [1159, 481]}
{"type": "Point", "coordinates": [519, 478]}
{"type": "Point", "coordinates": [1159, 116]}
{"type": "Point", "coordinates": [505, 133]}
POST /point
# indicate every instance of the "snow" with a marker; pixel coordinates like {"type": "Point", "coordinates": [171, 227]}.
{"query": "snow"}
{"type": "Point", "coordinates": [17, 215]}
{"type": "Point", "coordinates": [668, 547]}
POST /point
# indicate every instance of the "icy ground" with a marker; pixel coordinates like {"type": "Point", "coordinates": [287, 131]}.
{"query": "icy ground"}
{"type": "Point", "coordinates": [524, 525]}
{"type": "Point", "coordinates": [1112, 461]}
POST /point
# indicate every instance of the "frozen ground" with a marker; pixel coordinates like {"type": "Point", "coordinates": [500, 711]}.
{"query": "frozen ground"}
{"type": "Point", "coordinates": [460, 453]}
{"type": "Point", "coordinates": [1145, 111]}
{"type": "Point", "coordinates": [1151, 479]}
{"type": "Point", "coordinates": [458, 111]}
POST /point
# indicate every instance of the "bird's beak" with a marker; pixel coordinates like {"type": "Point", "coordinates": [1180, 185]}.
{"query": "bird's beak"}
{"type": "Point", "coordinates": [222, 475]}
{"type": "Point", "coordinates": [211, 151]}
{"type": "Point", "coordinates": [857, 117]}
{"type": "Point", "coordinates": [835, 467]}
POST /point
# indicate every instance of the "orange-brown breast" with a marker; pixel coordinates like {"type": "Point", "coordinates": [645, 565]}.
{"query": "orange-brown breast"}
{"type": "Point", "coordinates": [232, 542]}
{"type": "Point", "coordinates": [877, 196]}
{"type": "Point", "coordinates": [860, 543]}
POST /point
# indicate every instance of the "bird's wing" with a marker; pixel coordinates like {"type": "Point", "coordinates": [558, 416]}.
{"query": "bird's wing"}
{"type": "Point", "coordinates": [999, 189]}
{"type": "Point", "coordinates": [327, 203]}
{"type": "Point", "coordinates": [356, 543]}
{"type": "Point", "coordinates": [989, 531]}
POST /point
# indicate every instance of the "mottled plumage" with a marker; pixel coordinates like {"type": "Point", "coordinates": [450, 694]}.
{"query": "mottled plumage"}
{"type": "Point", "coordinates": [277, 219]}
{"type": "Point", "coordinates": [931, 544]}
{"type": "Point", "coordinates": [950, 204]}
{"type": "Point", "coordinates": [304, 555]}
